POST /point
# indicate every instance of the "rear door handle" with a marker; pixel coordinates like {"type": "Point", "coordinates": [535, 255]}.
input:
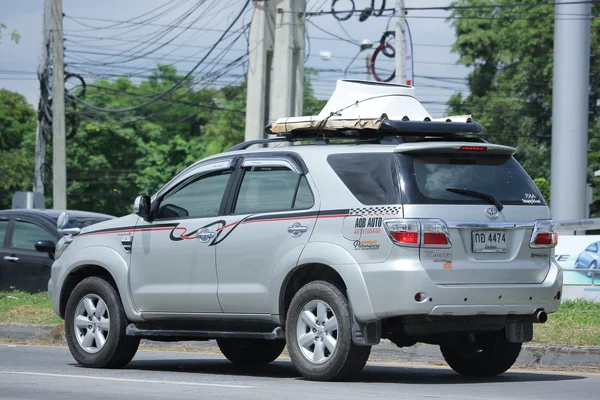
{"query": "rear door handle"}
{"type": "Point", "coordinates": [297, 229]}
{"type": "Point", "coordinates": [11, 258]}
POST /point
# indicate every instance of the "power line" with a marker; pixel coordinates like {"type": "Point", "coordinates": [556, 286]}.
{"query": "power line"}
{"type": "Point", "coordinates": [163, 94]}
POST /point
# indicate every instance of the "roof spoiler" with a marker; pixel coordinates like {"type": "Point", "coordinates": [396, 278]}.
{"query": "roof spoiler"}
{"type": "Point", "coordinates": [456, 147]}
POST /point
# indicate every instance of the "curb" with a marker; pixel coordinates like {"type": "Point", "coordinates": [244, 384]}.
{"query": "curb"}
{"type": "Point", "coordinates": [532, 355]}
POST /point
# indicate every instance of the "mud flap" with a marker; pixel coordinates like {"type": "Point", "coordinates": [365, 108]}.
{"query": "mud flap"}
{"type": "Point", "coordinates": [366, 334]}
{"type": "Point", "coordinates": [519, 331]}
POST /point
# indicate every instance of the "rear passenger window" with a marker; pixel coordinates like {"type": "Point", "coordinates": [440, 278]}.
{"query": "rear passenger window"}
{"type": "Point", "coordinates": [267, 189]}
{"type": "Point", "coordinates": [369, 176]}
{"type": "Point", "coordinates": [3, 229]}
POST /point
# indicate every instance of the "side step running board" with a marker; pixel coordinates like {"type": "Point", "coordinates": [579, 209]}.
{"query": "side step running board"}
{"type": "Point", "coordinates": [133, 330]}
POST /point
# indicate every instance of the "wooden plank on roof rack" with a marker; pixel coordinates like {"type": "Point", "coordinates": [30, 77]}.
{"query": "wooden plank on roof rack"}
{"type": "Point", "coordinates": [331, 124]}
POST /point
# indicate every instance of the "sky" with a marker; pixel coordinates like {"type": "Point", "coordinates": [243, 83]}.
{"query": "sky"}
{"type": "Point", "coordinates": [98, 44]}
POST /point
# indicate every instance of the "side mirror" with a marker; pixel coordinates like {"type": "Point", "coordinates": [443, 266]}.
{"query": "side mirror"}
{"type": "Point", "coordinates": [141, 206]}
{"type": "Point", "coordinates": [46, 246]}
{"type": "Point", "coordinates": [62, 222]}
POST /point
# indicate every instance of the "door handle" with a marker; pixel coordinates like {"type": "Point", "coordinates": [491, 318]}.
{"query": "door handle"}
{"type": "Point", "coordinates": [204, 235]}
{"type": "Point", "coordinates": [297, 229]}
{"type": "Point", "coordinates": [11, 258]}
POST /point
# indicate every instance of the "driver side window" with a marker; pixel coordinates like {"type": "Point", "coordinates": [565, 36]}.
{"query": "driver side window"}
{"type": "Point", "coordinates": [200, 198]}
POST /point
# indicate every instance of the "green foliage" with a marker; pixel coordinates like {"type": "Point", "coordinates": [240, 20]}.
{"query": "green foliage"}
{"type": "Point", "coordinates": [14, 35]}
{"type": "Point", "coordinates": [17, 145]}
{"type": "Point", "coordinates": [511, 52]}
{"type": "Point", "coordinates": [544, 188]}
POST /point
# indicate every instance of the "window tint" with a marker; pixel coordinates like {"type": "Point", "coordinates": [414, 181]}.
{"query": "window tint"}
{"type": "Point", "coordinates": [3, 229]}
{"type": "Point", "coordinates": [426, 178]}
{"type": "Point", "coordinates": [370, 177]}
{"type": "Point", "coordinates": [267, 189]}
{"type": "Point", "coordinates": [593, 248]}
{"type": "Point", "coordinates": [26, 234]}
{"type": "Point", "coordinates": [198, 199]}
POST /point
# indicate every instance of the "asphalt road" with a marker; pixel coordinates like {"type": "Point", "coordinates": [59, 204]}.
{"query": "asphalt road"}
{"type": "Point", "coordinates": [29, 372]}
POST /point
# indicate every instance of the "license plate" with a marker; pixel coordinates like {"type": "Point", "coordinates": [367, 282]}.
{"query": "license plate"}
{"type": "Point", "coordinates": [490, 242]}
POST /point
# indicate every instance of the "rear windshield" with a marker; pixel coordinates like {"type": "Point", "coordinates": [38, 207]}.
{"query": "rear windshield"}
{"type": "Point", "coordinates": [427, 177]}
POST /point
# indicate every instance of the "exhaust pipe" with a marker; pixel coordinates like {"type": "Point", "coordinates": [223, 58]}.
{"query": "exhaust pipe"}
{"type": "Point", "coordinates": [540, 317]}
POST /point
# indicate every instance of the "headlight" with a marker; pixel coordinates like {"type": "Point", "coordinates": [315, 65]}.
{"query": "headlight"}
{"type": "Point", "coordinates": [62, 245]}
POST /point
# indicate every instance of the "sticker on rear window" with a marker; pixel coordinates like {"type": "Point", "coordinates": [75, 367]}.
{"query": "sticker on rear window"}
{"type": "Point", "coordinates": [531, 198]}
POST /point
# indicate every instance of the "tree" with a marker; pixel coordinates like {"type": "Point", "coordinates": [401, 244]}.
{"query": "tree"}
{"type": "Point", "coordinates": [14, 35]}
{"type": "Point", "coordinates": [17, 145]}
{"type": "Point", "coordinates": [511, 52]}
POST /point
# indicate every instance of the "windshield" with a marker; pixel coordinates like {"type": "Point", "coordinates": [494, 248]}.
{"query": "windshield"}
{"type": "Point", "coordinates": [427, 177]}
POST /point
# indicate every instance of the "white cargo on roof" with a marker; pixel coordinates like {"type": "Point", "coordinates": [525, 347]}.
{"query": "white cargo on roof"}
{"type": "Point", "coordinates": [357, 104]}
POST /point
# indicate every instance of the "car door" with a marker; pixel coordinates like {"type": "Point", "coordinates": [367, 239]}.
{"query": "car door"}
{"type": "Point", "coordinates": [271, 221]}
{"type": "Point", "coordinates": [172, 258]}
{"type": "Point", "coordinates": [4, 250]}
{"type": "Point", "coordinates": [23, 267]}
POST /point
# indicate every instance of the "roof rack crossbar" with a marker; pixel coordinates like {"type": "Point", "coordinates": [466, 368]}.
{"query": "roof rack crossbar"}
{"type": "Point", "coordinates": [249, 143]}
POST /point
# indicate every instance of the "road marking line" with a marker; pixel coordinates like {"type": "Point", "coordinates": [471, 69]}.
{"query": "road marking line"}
{"type": "Point", "coordinates": [105, 378]}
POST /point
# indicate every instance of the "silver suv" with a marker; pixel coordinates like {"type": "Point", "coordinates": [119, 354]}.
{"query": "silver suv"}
{"type": "Point", "coordinates": [405, 230]}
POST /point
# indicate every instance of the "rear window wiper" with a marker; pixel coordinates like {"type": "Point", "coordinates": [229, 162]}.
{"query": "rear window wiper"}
{"type": "Point", "coordinates": [481, 195]}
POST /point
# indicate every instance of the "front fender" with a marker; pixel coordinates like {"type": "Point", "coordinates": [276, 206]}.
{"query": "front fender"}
{"type": "Point", "coordinates": [111, 261]}
{"type": "Point", "coordinates": [344, 264]}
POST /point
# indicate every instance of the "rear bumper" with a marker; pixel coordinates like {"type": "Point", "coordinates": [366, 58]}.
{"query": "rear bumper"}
{"type": "Point", "coordinates": [392, 287]}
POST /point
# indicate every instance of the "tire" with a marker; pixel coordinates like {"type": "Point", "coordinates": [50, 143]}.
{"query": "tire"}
{"type": "Point", "coordinates": [251, 351]}
{"type": "Point", "coordinates": [118, 348]}
{"type": "Point", "coordinates": [322, 299]}
{"type": "Point", "coordinates": [590, 268]}
{"type": "Point", "coordinates": [490, 355]}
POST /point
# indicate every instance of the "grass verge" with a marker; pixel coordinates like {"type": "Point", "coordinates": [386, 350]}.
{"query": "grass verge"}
{"type": "Point", "coordinates": [576, 322]}
{"type": "Point", "coordinates": [27, 308]}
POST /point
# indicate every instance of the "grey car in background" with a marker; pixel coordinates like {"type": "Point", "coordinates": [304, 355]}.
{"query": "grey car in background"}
{"type": "Point", "coordinates": [589, 258]}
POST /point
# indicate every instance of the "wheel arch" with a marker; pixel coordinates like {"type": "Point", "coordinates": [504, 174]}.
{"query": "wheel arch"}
{"type": "Point", "coordinates": [99, 261]}
{"type": "Point", "coordinates": [315, 263]}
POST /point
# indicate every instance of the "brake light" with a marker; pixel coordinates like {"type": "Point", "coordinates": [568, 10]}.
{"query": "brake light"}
{"type": "Point", "coordinates": [435, 238]}
{"type": "Point", "coordinates": [418, 232]}
{"type": "Point", "coordinates": [406, 237]}
{"type": "Point", "coordinates": [544, 235]}
{"type": "Point", "coordinates": [472, 148]}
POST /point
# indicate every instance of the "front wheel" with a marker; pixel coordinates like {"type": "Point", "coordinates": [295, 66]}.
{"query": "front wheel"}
{"type": "Point", "coordinates": [95, 324]}
{"type": "Point", "coordinates": [591, 268]}
{"type": "Point", "coordinates": [483, 354]}
{"type": "Point", "coordinates": [319, 334]}
{"type": "Point", "coordinates": [251, 351]}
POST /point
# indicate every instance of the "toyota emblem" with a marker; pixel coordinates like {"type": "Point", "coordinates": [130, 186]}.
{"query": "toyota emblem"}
{"type": "Point", "coordinates": [491, 212]}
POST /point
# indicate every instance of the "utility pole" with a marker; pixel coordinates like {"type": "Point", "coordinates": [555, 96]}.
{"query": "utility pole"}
{"type": "Point", "coordinates": [287, 90]}
{"type": "Point", "coordinates": [570, 96]}
{"type": "Point", "coordinates": [400, 43]}
{"type": "Point", "coordinates": [262, 36]}
{"type": "Point", "coordinates": [59, 156]}
{"type": "Point", "coordinates": [40, 137]}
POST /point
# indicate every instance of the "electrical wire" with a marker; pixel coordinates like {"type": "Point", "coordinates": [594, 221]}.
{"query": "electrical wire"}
{"type": "Point", "coordinates": [163, 94]}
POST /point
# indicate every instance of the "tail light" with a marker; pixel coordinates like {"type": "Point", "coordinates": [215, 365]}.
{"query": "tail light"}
{"type": "Point", "coordinates": [405, 232]}
{"type": "Point", "coordinates": [435, 233]}
{"type": "Point", "coordinates": [418, 232]}
{"type": "Point", "coordinates": [544, 235]}
{"type": "Point", "coordinates": [472, 148]}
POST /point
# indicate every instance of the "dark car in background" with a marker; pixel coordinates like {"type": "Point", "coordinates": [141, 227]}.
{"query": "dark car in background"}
{"type": "Point", "coordinates": [22, 267]}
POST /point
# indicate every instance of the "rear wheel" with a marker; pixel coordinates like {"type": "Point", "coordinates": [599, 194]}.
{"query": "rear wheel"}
{"type": "Point", "coordinates": [95, 324]}
{"type": "Point", "coordinates": [484, 354]}
{"type": "Point", "coordinates": [251, 351]}
{"type": "Point", "coordinates": [591, 268]}
{"type": "Point", "coordinates": [319, 334]}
